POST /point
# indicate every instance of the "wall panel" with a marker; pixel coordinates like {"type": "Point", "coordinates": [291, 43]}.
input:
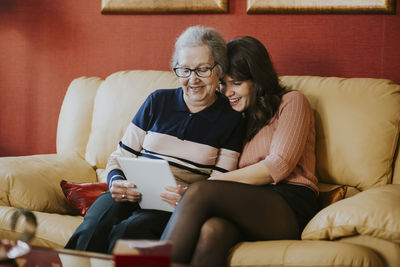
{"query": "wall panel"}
{"type": "Point", "coordinates": [45, 44]}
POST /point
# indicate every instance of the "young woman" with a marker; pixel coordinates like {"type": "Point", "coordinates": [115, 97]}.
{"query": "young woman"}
{"type": "Point", "coordinates": [274, 192]}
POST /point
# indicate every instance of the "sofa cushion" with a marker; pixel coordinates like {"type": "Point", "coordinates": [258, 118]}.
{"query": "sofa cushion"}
{"type": "Point", "coordinates": [357, 127]}
{"type": "Point", "coordinates": [117, 101]}
{"type": "Point", "coordinates": [373, 212]}
{"type": "Point", "coordinates": [305, 253]}
{"type": "Point", "coordinates": [82, 195]}
{"type": "Point", "coordinates": [387, 250]}
{"type": "Point", "coordinates": [33, 182]}
{"type": "Point", "coordinates": [54, 230]}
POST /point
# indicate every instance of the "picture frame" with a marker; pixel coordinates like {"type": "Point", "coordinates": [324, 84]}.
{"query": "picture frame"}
{"type": "Point", "coordinates": [321, 6]}
{"type": "Point", "coordinates": [163, 6]}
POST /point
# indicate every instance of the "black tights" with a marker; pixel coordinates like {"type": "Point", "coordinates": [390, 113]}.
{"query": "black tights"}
{"type": "Point", "coordinates": [213, 216]}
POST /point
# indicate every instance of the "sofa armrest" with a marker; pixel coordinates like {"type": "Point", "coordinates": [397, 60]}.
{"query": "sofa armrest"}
{"type": "Point", "coordinates": [373, 212]}
{"type": "Point", "coordinates": [33, 182]}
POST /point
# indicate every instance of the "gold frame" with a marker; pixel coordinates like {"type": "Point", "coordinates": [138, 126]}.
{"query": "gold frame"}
{"type": "Point", "coordinates": [322, 6]}
{"type": "Point", "coordinates": [163, 6]}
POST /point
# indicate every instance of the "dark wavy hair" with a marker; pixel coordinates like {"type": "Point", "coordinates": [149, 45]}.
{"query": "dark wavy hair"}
{"type": "Point", "coordinates": [249, 60]}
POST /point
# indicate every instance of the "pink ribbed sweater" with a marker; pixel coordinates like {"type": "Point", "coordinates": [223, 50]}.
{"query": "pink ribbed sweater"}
{"type": "Point", "coordinates": [287, 144]}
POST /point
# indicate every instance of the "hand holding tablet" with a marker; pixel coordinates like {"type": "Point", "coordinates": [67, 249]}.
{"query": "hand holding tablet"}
{"type": "Point", "coordinates": [150, 176]}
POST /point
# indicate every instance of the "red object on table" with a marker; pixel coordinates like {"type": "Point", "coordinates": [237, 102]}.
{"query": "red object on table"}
{"type": "Point", "coordinates": [142, 253]}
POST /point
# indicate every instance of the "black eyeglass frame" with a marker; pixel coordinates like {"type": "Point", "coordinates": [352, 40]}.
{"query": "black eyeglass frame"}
{"type": "Point", "coordinates": [195, 71]}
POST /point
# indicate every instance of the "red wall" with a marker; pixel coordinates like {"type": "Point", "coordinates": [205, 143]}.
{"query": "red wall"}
{"type": "Point", "coordinates": [45, 44]}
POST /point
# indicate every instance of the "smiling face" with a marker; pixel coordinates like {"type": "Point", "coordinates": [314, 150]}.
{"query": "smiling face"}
{"type": "Point", "coordinates": [198, 92]}
{"type": "Point", "coordinates": [238, 93]}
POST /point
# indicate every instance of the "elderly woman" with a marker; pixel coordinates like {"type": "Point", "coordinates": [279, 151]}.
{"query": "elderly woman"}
{"type": "Point", "coordinates": [193, 127]}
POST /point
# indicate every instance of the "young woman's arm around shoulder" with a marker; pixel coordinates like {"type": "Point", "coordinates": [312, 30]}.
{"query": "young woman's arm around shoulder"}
{"type": "Point", "coordinates": [256, 174]}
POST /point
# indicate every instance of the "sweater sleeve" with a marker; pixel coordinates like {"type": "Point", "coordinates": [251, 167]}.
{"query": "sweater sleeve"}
{"type": "Point", "coordinates": [289, 139]}
{"type": "Point", "coordinates": [228, 156]}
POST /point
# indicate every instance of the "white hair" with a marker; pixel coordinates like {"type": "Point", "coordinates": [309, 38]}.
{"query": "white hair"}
{"type": "Point", "coordinates": [199, 35]}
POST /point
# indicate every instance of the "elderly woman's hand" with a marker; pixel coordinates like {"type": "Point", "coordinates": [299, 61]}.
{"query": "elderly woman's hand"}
{"type": "Point", "coordinates": [177, 192]}
{"type": "Point", "coordinates": [122, 190]}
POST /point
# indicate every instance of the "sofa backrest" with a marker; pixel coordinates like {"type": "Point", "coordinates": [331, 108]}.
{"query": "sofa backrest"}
{"type": "Point", "coordinates": [357, 122]}
{"type": "Point", "coordinates": [357, 125]}
{"type": "Point", "coordinates": [116, 102]}
{"type": "Point", "coordinates": [75, 118]}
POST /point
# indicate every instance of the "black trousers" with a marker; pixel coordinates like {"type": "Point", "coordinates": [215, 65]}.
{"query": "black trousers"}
{"type": "Point", "coordinates": [107, 221]}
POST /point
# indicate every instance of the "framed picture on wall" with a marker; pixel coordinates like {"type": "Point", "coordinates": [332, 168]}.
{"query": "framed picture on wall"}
{"type": "Point", "coordinates": [322, 6]}
{"type": "Point", "coordinates": [163, 6]}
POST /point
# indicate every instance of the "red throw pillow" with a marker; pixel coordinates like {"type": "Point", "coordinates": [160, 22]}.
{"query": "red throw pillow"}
{"type": "Point", "coordinates": [82, 195]}
{"type": "Point", "coordinates": [330, 197]}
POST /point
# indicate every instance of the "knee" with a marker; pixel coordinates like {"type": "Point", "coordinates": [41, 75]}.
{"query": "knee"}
{"type": "Point", "coordinates": [214, 229]}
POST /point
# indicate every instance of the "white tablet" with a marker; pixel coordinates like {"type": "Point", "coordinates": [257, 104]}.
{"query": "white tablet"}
{"type": "Point", "coordinates": [150, 177]}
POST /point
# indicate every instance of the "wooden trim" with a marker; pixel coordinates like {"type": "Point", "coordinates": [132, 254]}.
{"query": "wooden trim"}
{"type": "Point", "coordinates": [163, 7]}
{"type": "Point", "coordinates": [322, 6]}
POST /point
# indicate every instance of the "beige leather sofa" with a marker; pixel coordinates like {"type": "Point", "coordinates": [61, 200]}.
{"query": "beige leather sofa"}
{"type": "Point", "coordinates": [357, 123]}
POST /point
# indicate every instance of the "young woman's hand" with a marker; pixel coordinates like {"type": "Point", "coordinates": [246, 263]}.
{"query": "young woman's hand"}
{"type": "Point", "coordinates": [122, 190]}
{"type": "Point", "coordinates": [175, 195]}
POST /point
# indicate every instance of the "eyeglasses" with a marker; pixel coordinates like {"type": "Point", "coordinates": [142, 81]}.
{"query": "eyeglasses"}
{"type": "Point", "coordinates": [202, 72]}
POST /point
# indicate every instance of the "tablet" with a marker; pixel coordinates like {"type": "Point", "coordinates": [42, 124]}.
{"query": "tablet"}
{"type": "Point", "coordinates": [150, 177]}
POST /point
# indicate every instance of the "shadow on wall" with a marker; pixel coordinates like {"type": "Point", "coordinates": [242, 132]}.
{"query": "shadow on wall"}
{"type": "Point", "coordinates": [35, 32]}
{"type": "Point", "coordinates": [6, 6]}
{"type": "Point", "coordinates": [43, 23]}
